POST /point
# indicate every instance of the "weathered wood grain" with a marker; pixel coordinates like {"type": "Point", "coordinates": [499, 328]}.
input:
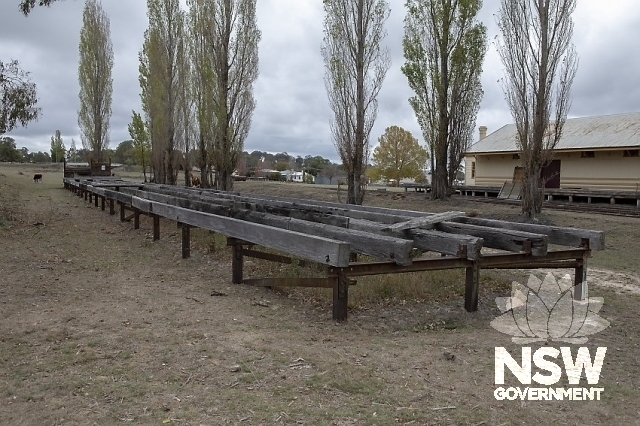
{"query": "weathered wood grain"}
{"type": "Point", "coordinates": [563, 236]}
{"type": "Point", "coordinates": [319, 249]}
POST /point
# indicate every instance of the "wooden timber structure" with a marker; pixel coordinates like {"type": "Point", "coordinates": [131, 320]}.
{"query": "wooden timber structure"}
{"type": "Point", "coordinates": [93, 168]}
{"type": "Point", "coordinates": [330, 234]}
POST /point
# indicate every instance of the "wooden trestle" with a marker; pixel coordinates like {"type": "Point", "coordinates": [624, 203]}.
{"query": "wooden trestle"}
{"type": "Point", "coordinates": [329, 234]}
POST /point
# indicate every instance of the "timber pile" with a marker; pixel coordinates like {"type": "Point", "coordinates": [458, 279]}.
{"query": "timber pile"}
{"type": "Point", "coordinates": [329, 234]}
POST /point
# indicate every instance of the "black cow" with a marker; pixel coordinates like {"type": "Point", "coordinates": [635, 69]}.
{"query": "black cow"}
{"type": "Point", "coordinates": [37, 177]}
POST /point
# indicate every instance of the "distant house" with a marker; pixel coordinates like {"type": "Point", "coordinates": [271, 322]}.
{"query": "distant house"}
{"type": "Point", "coordinates": [593, 153]}
{"type": "Point", "coordinates": [293, 176]}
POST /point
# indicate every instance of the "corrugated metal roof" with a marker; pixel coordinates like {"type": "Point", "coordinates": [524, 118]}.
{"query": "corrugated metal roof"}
{"type": "Point", "coordinates": [608, 131]}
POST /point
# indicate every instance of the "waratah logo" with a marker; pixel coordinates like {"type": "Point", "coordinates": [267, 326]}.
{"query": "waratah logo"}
{"type": "Point", "coordinates": [546, 311]}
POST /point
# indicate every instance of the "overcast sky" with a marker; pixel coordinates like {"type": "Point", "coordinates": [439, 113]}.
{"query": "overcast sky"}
{"type": "Point", "coordinates": [292, 111]}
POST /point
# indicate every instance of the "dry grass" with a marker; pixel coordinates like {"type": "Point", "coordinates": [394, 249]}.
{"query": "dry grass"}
{"type": "Point", "coordinates": [101, 325]}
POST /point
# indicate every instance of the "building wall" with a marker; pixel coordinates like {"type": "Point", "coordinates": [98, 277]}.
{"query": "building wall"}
{"type": "Point", "coordinates": [494, 170]}
{"type": "Point", "coordinates": [606, 170]}
{"type": "Point", "coordinates": [469, 166]}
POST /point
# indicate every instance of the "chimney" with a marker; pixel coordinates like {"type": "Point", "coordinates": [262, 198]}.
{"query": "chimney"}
{"type": "Point", "coordinates": [483, 132]}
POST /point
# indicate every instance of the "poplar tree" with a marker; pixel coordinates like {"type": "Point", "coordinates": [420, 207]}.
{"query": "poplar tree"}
{"type": "Point", "coordinates": [444, 47]}
{"type": "Point", "coordinates": [540, 64]}
{"type": "Point", "coordinates": [356, 64]}
{"type": "Point", "coordinates": [94, 76]}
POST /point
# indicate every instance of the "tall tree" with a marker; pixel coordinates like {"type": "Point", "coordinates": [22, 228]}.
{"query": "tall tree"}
{"type": "Point", "coordinates": [18, 97]}
{"type": "Point", "coordinates": [540, 65]}
{"type": "Point", "coordinates": [94, 76]}
{"type": "Point", "coordinates": [399, 155]}
{"type": "Point", "coordinates": [160, 83]}
{"type": "Point", "coordinates": [185, 101]}
{"type": "Point", "coordinates": [201, 51]}
{"type": "Point", "coordinates": [235, 69]}
{"type": "Point", "coordinates": [444, 47]}
{"type": "Point", "coordinates": [141, 144]}
{"type": "Point", "coordinates": [356, 64]}
{"type": "Point", "coordinates": [58, 150]}
{"type": "Point", "coordinates": [72, 153]}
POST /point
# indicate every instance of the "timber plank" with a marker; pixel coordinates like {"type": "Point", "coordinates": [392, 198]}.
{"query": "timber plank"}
{"type": "Point", "coordinates": [504, 239]}
{"type": "Point", "coordinates": [563, 236]}
{"type": "Point", "coordinates": [319, 249]}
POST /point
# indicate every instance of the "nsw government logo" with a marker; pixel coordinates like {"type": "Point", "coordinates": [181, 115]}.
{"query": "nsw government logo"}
{"type": "Point", "coordinates": [545, 311]}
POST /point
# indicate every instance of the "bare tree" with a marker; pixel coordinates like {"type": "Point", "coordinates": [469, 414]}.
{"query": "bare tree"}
{"type": "Point", "coordinates": [356, 64]}
{"type": "Point", "coordinates": [540, 65]}
{"type": "Point", "coordinates": [235, 62]}
{"type": "Point", "coordinates": [160, 83]}
{"type": "Point", "coordinates": [94, 76]}
{"type": "Point", "coordinates": [444, 47]}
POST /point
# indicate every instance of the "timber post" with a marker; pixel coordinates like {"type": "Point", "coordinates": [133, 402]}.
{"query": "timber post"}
{"type": "Point", "coordinates": [136, 219]}
{"type": "Point", "coordinates": [112, 209]}
{"type": "Point", "coordinates": [471, 287]}
{"type": "Point", "coordinates": [156, 227]}
{"type": "Point", "coordinates": [95, 200]}
{"type": "Point", "coordinates": [237, 260]}
{"type": "Point", "coordinates": [91, 197]}
{"type": "Point", "coordinates": [122, 212]}
{"type": "Point", "coordinates": [581, 289]}
{"type": "Point", "coordinates": [102, 203]}
{"type": "Point", "coordinates": [86, 194]}
{"type": "Point", "coordinates": [186, 241]}
{"type": "Point", "coordinates": [340, 295]}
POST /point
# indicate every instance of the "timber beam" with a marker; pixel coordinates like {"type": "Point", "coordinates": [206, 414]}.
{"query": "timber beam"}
{"type": "Point", "coordinates": [319, 249]}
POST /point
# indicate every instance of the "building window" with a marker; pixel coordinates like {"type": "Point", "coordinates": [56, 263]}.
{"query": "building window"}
{"type": "Point", "coordinates": [631, 153]}
{"type": "Point", "coordinates": [473, 170]}
{"type": "Point", "coordinates": [516, 156]}
{"type": "Point", "coordinates": [588, 154]}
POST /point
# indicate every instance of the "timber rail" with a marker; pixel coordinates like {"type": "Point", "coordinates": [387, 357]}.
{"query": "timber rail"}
{"type": "Point", "coordinates": [333, 234]}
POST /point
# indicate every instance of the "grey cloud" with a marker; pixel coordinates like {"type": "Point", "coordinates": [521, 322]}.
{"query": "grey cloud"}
{"type": "Point", "coordinates": [292, 111]}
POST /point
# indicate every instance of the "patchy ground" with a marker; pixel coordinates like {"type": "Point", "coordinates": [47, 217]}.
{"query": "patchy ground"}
{"type": "Point", "coordinates": [100, 325]}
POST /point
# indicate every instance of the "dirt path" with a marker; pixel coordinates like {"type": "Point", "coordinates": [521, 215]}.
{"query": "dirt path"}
{"type": "Point", "coordinates": [101, 325]}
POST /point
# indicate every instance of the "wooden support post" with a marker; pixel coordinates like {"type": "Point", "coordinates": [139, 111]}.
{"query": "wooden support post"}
{"type": "Point", "coordinates": [340, 296]}
{"type": "Point", "coordinates": [612, 200]}
{"type": "Point", "coordinates": [136, 219]}
{"type": "Point", "coordinates": [90, 197]}
{"type": "Point", "coordinates": [237, 260]}
{"type": "Point", "coordinates": [471, 288]}
{"type": "Point", "coordinates": [103, 202]}
{"type": "Point", "coordinates": [86, 195]}
{"type": "Point", "coordinates": [186, 241]}
{"type": "Point", "coordinates": [571, 198]}
{"type": "Point", "coordinates": [156, 227]}
{"type": "Point", "coordinates": [589, 200]}
{"type": "Point", "coordinates": [581, 290]}
{"type": "Point", "coordinates": [95, 200]}
{"type": "Point", "coordinates": [638, 202]}
{"type": "Point", "coordinates": [122, 212]}
{"type": "Point", "coordinates": [112, 209]}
